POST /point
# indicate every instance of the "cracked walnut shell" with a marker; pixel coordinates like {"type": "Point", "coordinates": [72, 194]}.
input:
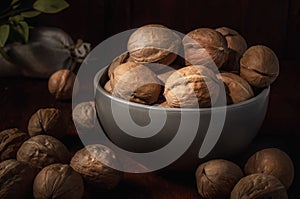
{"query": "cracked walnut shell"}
{"type": "Point", "coordinates": [43, 150]}
{"type": "Point", "coordinates": [192, 86]}
{"type": "Point", "coordinates": [205, 46]}
{"type": "Point", "coordinates": [272, 161]}
{"type": "Point", "coordinates": [136, 83]}
{"type": "Point", "coordinates": [216, 178]}
{"type": "Point", "coordinates": [58, 181]}
{"type": "Point", "coordinates": [259, 186]}
{"type": "Point", "coordinates": [238, 89]}
{"type": "Point", "coordinates": [259, 66]}
{"type": "Point", "coordinates": [94, 163]}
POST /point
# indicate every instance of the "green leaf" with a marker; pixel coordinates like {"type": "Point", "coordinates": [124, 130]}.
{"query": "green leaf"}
{"type": "Point", "coordinates": [22, 30]}
{"type": "Point", "coordinates": [30, 14]}
{"type": "Point", "coordinates": [15, 3]}
{"type": "Point", "coordinates": [16, 19]}
{"type": "Point", "coordinates": [4, 33]}
{"type": "Point", "coordinates": [50, 6]}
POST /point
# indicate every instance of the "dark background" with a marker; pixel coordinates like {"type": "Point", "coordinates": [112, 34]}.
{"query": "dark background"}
{"type": "Point", "coordinates": [275, 23]}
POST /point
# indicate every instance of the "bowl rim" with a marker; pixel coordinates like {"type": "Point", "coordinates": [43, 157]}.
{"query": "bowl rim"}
{"type": "Point", "coordinates": [97, 88]}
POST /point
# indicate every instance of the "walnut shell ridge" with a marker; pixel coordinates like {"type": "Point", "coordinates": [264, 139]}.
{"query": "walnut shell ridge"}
{"type": "Point", "coordinates": [216, 178]}
{"type": "Point", "coordinates": [272, 161]}
{"type": "Point", "coordinates": [259, 66]}
{"type": "Point", "coordinates": [48, 121]}
{"type": "Point", "coordinates": [10, 142]}
{"type": "Point", "coordinates": [16, 179]}
{"type": "Point", "coordinates": [94, 163]}
{"type": "Point", "coordinates": [205, 46]}
{"type": "Point", "coordinates": [136, 83]}
{"type": "Point", "coordinates": [153, 43]}
{"type": "Point", "coordinates": [43, 150]}
{"type": "Point", "coordinates": [239, 89]}
{"type": "Point", "coordinates": [259, 186]}
{"type": "Point", "coordinates": [58, 181]}
{"type": "Point", "coordinates": [192, 86]}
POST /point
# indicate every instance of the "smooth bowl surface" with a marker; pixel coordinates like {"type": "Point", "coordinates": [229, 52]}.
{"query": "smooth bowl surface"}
{"type": "Point", "coordinates": [241, 124]}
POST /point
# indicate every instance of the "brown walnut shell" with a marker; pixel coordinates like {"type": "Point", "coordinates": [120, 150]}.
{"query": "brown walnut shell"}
{"type": "Point", "coordinates": [216, 178]}
{"type": "Point", "coordinates": [118, 61]}
{"type": "Point", "coordinates": [164, 105]}
{"type": "Point", "coordinates": [47, 121]}
{"type": "Point", "coordinates": [274, 162]}
{"type": "Point", "coordinates": [136, 83]}
{"type": "Point", "coordinates": [10, 142]}
{"type": "Point", "coordinates": [192, 86]}
{"type": "Point", "coordinates": [259, 65]}
{"type": "Point", "coordinates": [107, 87]}
{"type": "Point", "coordinates": [43, 150]}
{"type": "Point", "coordinates": [84, 115]}
{"type": "Point", "coordinates": [16, 179]}
{"type": "Point", "coordinates": [205, 46]}
{"type": "Point", "coordinates": [94, 163]}
{"type": "Point", "coordinates": [234, 40]}
{"type": "Point", "coordinates": [61, 84]}
{"type": "Point", "coordinates": [238, 89]}
{"type": "Point", "coordinates": [58, 181]}
{"type": "Point", "coordinates": [258, 186]}
{"type": "Point", "coordinates": [153, 43]}
{"type": "Point", "coordinates": [237, 45]}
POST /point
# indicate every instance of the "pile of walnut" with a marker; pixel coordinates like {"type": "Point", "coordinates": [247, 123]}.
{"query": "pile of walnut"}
{"type": "Point", "coordinates": [268, 174]}
{"type": "Point", "coordinates": [38, 165]}
{"type": "Point", "coordinates": [153, 73]}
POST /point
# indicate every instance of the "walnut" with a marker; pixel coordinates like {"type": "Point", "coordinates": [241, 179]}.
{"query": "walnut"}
{"type": "Point", "coordinates": [16, 179]}
{"type": "Point", "coordinates": [192, 86]}
{"type": "Point", "coordinates": [61, 84]}
{"type": "Point", "coordinates": [43, 150]}
{"type": "Point", "coordinates": [118, 61]}
{"type": "Point", "coordinates": [238, 89]}
{"type": "Point", "coordinates": [94, 163]}
{"type": "Point", "coordinates": [235, 41]}
{"type": "Point", "coordinates": [205, 46]}
{"type": "Point", "coordinates": [107, 87]}
{"type": "Point", "coordinates": [259, 186]}
{"type": "Point", "coordinates": [47, 121]}
{"type": "Point", "coordinates": [274, 162]}
{"type": "Point", "coordinates": [10, 142]}
{"type": "Point", "coordinates": [237, 45]}
{"type": "Point", "coordinates": [259, 65]}
{"type": "Point", "coordinates": [135, 83]}
{"type": "Point", "coordinates": [216, 178]}
{"type": "Point", "coordinates": [84, 115]}
{"type": "Point", "coordinates": [154, 43]}
{"type": "Point", "coordinates": [58, 181]}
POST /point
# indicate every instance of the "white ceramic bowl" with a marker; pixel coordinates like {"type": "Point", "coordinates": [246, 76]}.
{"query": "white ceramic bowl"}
{"type": "Point", "coordinates": [241, 125]}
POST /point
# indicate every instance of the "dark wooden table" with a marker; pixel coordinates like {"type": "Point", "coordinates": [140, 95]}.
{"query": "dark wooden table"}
{"type": "Point", "coordinates": [21, 97]}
